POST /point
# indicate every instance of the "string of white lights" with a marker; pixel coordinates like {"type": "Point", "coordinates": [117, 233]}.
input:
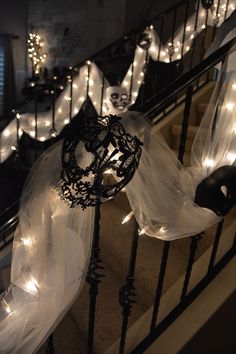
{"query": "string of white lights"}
{"type": "Point", "coordinates": [105, 98]}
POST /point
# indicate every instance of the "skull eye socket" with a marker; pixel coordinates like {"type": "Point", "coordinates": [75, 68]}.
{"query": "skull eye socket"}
{"type": "Point", "coordinates": [124, 96]}
{"type": "Point", "coordinates": [114, 96]}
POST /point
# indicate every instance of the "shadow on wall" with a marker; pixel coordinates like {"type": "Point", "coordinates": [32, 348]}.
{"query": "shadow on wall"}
{"type": "Point", "coordinates": [144, 11]}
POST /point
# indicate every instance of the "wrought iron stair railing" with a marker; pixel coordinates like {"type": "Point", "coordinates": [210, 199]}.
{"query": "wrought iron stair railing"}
{"type": "Point", "coordinates": [152, 108]}
{"type": "Point", "coordinates": [119, 54]}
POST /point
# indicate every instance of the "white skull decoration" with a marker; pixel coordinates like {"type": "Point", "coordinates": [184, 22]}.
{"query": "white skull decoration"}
{"type": "Point", "coordinates": [117, 99]}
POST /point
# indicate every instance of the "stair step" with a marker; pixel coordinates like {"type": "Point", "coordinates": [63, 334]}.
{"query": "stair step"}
{"type": "Point", "coordinates": [176, 130]}
{"type": "Point", "coordinates": [187, 157]}
{"type": "Point", "coordinates": [175, 136]}
{"type": "Point", "coordinates": [201, 108]}
{"type": "Point", "coordinates": [67, 338]}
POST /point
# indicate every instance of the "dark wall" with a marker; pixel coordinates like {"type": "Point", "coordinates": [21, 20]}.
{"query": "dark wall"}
{"type": "Point", "coordinates": [13, 21]}
{"type": "Point", "coordinates": [139, 11]}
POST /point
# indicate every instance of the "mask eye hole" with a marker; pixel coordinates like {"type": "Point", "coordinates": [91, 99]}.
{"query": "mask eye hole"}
{"type": "Point", "coordinates": [124, 96]}
{"type": "Point", "coordinates": [225, 191]}
{"type": "Point", "coordinates": [114, 96]}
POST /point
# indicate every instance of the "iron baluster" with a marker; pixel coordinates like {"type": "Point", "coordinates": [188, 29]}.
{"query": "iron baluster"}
{"type": "Point", "coordinates": [171, 48]}
{"type": "Point", "coordinates": [35, 122]}
{"type": "Point", "coordinates": [88, 79]}
{"type": "Point", "coordinates": [193, 249]}
{"type": "Point", "coordinates": [215, 245]}
{"type": "Point", "coordinates": [131, 83]}
{"type": "Point", "coordinates": [94, 277]}
{"type": "Point", "coordinates": [70, 80]}
{"type": "Point", "coordinates": [102, 94]}
{"type": "Point", "coordinates": [185, 122]}
{"type": "Point", "coordinates": [53, 129]}
{"type": "Point", "coordinates": [160, 39]}
{"type": "Point", "coordinates": [156, 305]}
{"type": "Point", "coordinates": [216, 20]}
{"type": "Point", "coordinates": [194, 34]}
{"type": "Point", "coordinates": [127, 292]}
{"type": "Point", "coordinates": [185, 23]}
{"type": "Point", "coordinates": [50, 345]}
{"type": "Point", "coordinates": [226, 9]}
{"type": "Point", "coordinates": [17, 135]}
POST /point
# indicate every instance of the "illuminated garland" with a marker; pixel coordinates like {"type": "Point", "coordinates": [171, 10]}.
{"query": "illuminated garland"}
{"type": "Point", "coordinates": [91, 82]}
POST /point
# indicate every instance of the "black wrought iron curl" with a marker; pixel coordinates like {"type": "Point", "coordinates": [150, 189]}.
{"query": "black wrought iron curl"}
{"type": "Point", "coordinates": [105, 146]}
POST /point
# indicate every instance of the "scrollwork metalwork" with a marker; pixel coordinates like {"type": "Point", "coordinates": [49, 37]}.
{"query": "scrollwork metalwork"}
{"type": "Point", "coordinates": [101, 145]}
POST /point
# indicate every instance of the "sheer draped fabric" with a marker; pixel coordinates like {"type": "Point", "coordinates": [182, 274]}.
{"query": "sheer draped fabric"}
{"type": "Point", "coordinates": [52, 246]}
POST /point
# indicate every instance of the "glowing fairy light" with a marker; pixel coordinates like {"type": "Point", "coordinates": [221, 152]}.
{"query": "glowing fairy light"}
{"type": "Point", "coordinates": [125, 83]}
{"type": "Point", "coordinates": [76, 111]}
{"type": "Point", "coordinates": [234, 86]}
{"type": "Point", "coordinates": [66, 121]}
{"type": "Point", "coordinates": [142, 232]}
{"type": "Point", "coordinates": [81, 99]}
{"type": "Point", "coordinates": [17, 116]}
{"type": "Point", "coordinates": [6, 307]}
{"type": "Point", "coordinates": [127, 218]}
{"type": "Point", "coordinates": [27, 241]}
{"type": "Point", "coordinates": [231, 157]}
{"type": "Point", "coordinates": [59, 110]}
{"type": "Point", "coordinates": [47, 123]}
{"type": "Point", "coordinates": [162, 230]}
{"type": "Point", "coordinates": [32, 133]}
{"type": "Point", "coordinates": [13, 148]}
{"type": "Point", "coordinates": [42, 138]}
{"type": "Point", "coordinates": [208, 162]}
{"type": "Point", "coordinates": [6, 132]}
{"type": "Point", "coordinates": [32, 286]}
{"type": "Point", "coordinates": [230, 106]}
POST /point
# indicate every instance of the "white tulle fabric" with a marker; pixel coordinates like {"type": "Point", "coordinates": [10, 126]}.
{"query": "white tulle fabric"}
{"type": "Point", "coordinates": [51, 250]}
{"type": "Point", "coordinates": [162, 191]}
{"type": "Point", "coordinates": [90, 81]}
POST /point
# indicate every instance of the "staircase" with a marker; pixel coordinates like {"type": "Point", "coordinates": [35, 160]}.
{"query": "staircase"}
{"type": "Point", "coordinates": [70, 336]}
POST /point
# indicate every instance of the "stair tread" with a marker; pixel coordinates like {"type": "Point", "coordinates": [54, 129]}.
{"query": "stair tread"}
{"type": "Point", "coordinates": [176, 130]}
{"type": "Point", "coordinates": [201, 107]}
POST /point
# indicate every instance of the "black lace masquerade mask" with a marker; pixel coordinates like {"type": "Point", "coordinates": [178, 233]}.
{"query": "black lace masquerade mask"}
{"type": "Point", "coordinates": [100, 146]}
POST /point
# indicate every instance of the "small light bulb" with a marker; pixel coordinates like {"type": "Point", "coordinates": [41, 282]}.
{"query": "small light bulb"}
{"type": "Point", "coordinates": [6, 307]}
{"type": "Point", "coordinates": [32, 286]}
{"type": "Point", "coordinates": [6, 132]}
{"type": "Point", "coordinates": [231, 157]}
{"type": "Point", "coordinates": [27, 241]}
{"type": "Point", "coordinates": [230, 106]}
{"type": "Point", "coordinates": [208, 162]}
{"type": "Point", "coordinates": [127, 218]}
{"type": "Point", "coordinates": [141, 232]}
